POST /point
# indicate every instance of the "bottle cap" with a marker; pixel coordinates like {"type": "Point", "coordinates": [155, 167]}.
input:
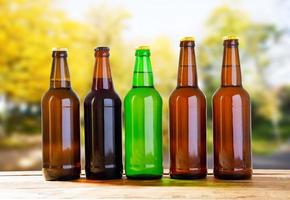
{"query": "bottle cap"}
{"type": "Point", "coordinates": [143, 47]}
{"type": "Point", "coordinates": [59, 49]}
{"type": "Point", "coordinates": [230, 37]}
{"type": "Point", "coordinates": [187, 39]}
{"type": "Point", "coordinates": [143, 50]}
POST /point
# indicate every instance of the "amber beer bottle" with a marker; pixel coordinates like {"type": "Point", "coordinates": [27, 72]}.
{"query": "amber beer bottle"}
{"type": "Point", "coordinates": [187, 110]}
{"type": "Point", "coordinates": [60, 123]}
{"type": "Point", "coordinates": [103, 129]}
{"type": "Point", "coordinates": [232, 119]}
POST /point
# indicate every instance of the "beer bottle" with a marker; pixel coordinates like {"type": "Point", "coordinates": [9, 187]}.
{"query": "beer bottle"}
{"type": "Point", "coordinates": [60, 123]}
{"type": "Point", "coordinates": [232, 119]}
{"type": "Point", "coordinates": [187, 111]}
{"type": "Point", "coordinates": [103, 131]}
{"type": "Point", "coordinates": [143, 122]}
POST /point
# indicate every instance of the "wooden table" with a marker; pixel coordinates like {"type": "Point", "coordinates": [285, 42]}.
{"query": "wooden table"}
{"type": "Point", "coordinates": [265, 184]}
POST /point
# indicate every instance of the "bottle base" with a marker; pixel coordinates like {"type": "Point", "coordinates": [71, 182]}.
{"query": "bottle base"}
{"type": "Point", "coordinates": [103, 175]}
{"type": "Point", "coordinates": [144, 177]}
{"type": "Point", "coordinates": [188, 176]}
{"type": "Point", "coordinates": [233, 175]}
{"type": "Point", "coordinates": [57, 174]}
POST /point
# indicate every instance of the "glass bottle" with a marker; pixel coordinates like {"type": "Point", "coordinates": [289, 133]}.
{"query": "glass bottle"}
{"type": "Point", "coordinates": [187, 111]}
{"type": "Point", "coordinates": [103, 130]}
{"type": "Point", "coordinates": [60, 123]}
{"type": "Point", "coordinates": [232, 119]}
{"type": "Point", "coordinates": [143, 122]}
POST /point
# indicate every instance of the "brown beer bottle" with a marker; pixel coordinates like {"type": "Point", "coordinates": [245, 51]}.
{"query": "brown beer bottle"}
{"type": "Point", "coordinates": [60, 123]}
{"type": "Point", "coordinates": [103, 128]}
{"type": "Point", "coordinates": [232, 119]}
{"type": "Point", "coordinates": [187, 110]}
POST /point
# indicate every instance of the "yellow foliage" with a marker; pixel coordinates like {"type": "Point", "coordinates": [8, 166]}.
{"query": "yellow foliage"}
{"type": "Point", "coordinates": [30, 29]}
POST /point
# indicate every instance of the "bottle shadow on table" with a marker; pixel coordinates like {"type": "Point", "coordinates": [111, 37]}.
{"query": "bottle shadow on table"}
{"type": "Point", "coordinates": [166, 181]}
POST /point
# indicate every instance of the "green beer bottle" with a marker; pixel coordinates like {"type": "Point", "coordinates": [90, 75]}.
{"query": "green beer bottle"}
{"type": "Point", "coordinates": [143, 122]}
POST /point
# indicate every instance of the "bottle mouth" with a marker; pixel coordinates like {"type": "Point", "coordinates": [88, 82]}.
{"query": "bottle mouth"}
{"type": "Point", "coordinates": [59, 52]}
{"type": "Point", "coordinates": [102, 51]}
{"type": "Point", "coordinates": [231, 40]}
{"type": "Point", "coordinates": [142, 50]}
{"type": "Point", "coordinates": [187, 41]}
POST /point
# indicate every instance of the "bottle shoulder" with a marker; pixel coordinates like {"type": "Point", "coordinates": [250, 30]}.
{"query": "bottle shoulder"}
{"type": "Point", "coordinates": [101, 96]}
{"type": "Point", "coordinates": [186, 92]}
{"type": "Point", "coordinates": [230, 92]}
{"type": "Point", "coordinates": [59, 94]}
{"type": "Point", "coordinates": [105, 94]}
{"type": "Point", "coordinates": [143, 93]}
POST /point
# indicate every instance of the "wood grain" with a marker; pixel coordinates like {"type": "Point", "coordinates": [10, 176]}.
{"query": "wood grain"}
{"type": "Point", "coordinates": [265, 184]}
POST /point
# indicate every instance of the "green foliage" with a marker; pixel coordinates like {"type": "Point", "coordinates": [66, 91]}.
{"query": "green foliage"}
{"type": "Point", "coordinates": [264, 147]}
{"type": "Point", "coordinates": [26, 122]}
{"type": "Point", "coordinates": [256, 40]}
{"type": "Point", "coordinates": [284, 105]}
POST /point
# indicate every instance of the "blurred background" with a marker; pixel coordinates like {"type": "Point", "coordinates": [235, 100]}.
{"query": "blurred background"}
{"type": "Point", "coordinates": [29, 29]}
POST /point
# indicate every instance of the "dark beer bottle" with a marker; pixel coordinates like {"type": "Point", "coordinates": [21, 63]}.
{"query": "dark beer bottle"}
{"type": "Point", "coordinates": [60, 123]}
{"type": "Point", "coordinates": [187, 111]}
{"type": "Point", "coordinates": [232, 119]}
{"type": "Point", "coordinates": [103, 130]}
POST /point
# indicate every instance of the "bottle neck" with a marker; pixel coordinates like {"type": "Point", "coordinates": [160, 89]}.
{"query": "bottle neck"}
{"type": "Point", "coordinates": [187, 76]}
{"type": "Point", "coordinates": [102, 74]}
{"type": "Point", "coordinates": [143, 76]}
{"type": "Point", "coordinates": [59, 77]}
{"type": "Point", "coordinates": [231, 71]}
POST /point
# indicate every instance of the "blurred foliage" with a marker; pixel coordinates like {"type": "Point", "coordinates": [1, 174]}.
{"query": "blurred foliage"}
{"type": "Point", "coordinates": [29, 29]}
{"type": "Point", "coordinates": [26, 56]}
{"type": "Point", "coordinates": [20, 142]}
{"type": "Point", "coordinates": [26, 51]}
{"type": "Point", "coordinates": [164, 63]}
{"type": "Point", "coordinates": [284, 105]}
{"type": "Point", "coordinates": [256, 40]}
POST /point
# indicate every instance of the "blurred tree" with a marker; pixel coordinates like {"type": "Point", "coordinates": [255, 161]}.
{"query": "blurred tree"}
{"type": "Point", "coordinates": [255, 44]}
{"type": "Point", "coordinates": [284, 104]}
{"type": "Point", "coordinates": [106, 25]}
{"type": "Point", "coordinates": [28, 32]}
{"type": "Point", "coordinates": [165, 67]}
{"type": "Point", "coordinates": [25, 45]}
{"type": "Point", "coordinates": [29, 29]}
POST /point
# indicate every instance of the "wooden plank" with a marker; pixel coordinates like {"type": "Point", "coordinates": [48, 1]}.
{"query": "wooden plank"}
{"type": "Point", "coordinates": [265, 184]}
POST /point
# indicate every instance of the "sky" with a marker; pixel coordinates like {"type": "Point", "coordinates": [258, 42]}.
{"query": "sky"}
{"type": "Point", "coordinates": [177, 18]}
{"type": "Point", "coordinates": [156, 17]}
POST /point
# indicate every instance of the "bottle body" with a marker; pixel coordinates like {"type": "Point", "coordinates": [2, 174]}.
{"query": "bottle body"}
{"type": "Point", "coordinates": [143, 138]}
{"type": "Point", "coordinates": [187, 113]}
{"type": "Point", "coordinates": [232, 133]}
{"type": "Point", "coordinates": [103, 135]}
{"type": "Point", "coordinates": [61, 134]}
{"type": "Point", "coordinates": [232, 120]}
